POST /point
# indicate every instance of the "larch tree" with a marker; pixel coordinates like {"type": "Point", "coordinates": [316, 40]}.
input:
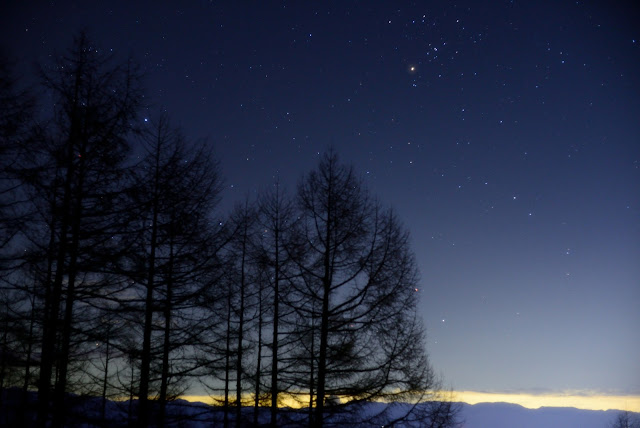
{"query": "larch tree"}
{"type": "Point", "coordinates": [77, 182]}
{"type": "Point", "coordinates": [128, 286]}
{"type": "Point", "coordinates": [358, 285]}
{"type": "Point", "coordinates": [275, 219]}
{"type": "Point", "coordinates": [177, 188]}
{"type": "Point", "coordinates": [241, 271]}
{"type": "Point", "coordinates": [17, 307]}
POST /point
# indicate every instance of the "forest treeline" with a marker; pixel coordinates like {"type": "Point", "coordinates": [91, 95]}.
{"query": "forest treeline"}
{"type": "Point", "coordinates": [120, 278]}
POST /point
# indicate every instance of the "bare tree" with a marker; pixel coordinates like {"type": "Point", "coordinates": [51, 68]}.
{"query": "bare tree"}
{"type": "Point", "coordinates": [275, 219]}
{"type": "Point", "coordinates": [241, 268]}
{"type": "Point", "coordinates": [626, 420]}
{"type": "Point", "coordinates": [176, 190]}
{"type": "Point", "coordinates": [17, 304]}
{"type": "Point", "coordinates": [129, 286]}
{"type": "Point", "coordinates": [79, 157]}
{"type": "Point", "coordinates": [358, 286]}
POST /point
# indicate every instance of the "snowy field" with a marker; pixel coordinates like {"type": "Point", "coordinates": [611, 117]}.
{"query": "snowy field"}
{"type": "Point", "coordinates": [87, 412]}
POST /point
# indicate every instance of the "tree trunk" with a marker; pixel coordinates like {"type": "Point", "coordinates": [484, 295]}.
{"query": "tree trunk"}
{"type": "Point", "coordinates": [256, 405]}
{"type": "Point", "coordinates": [50, 330]}
{"type": "Point", "coordinates": [164, 381]}
{"type": "Point", "coordinates": [27, 369]}
{"type": "Point", "coordinates": [324, 318]}
{"type": "Point", "coordinates": [61, 385]}
{"type": "Point", "coordinates": [106, 374]}
{"type": "Point", "coordinates": [276, 319]}
{"type": "Point", "coordinates": [227, 364]}
{"type": "Point", "coordinates": [145, 363]}
{"type": "Point", "coordinates": [241, 329]}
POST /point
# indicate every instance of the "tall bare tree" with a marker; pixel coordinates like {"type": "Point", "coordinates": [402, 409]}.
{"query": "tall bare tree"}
{"type": "Point", "coordinates": [275, 219]}
{"type": "Point", "coordinates": [16, 304]}
{"type": "Point", "coordinates": [177, 188]}
{"type": "Point", "coordinates": [357, 284]}
{"type": "Point", "coordinates": [79, 159]}
{"type": "Point", "coordinates": [242, 271]}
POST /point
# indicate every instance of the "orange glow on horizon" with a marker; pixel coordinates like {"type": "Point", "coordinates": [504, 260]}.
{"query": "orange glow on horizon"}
{"type": "Point", "coordinates": [217, 400]}
{"type": "Point", "coordinates": [579, 400]}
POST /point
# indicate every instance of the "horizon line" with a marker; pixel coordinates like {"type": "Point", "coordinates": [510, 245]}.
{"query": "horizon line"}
{"type": "Point", "coordinates": [583, 400]}
{"type": "Point", "coordinates": [579, 399]}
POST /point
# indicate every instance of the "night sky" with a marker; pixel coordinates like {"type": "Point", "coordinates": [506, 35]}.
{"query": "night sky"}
{"type": "Point", "coordinates": [506, 134]}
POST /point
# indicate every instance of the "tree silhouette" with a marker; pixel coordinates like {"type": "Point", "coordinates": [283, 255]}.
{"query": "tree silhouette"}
{"type": "Point", "coordinates": [357, 283]}
{"type": "Point", "coordinates": [176, 189]}
{"type": "Point", "coordinates": [78, 157]}
{"type": "Point", "coordinates": [626, 420]}
{"type": "Point", "coordinates": [276, 218]}
{"type": "Point", "coordinates": [127, 286]}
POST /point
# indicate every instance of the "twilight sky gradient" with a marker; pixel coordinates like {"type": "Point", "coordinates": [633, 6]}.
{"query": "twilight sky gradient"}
{"type": "Point", "coordinates": [505, 133]}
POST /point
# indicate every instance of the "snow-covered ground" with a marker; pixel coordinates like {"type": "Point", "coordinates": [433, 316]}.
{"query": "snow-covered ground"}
{"type": "Point", "coordinates": [86, 412]}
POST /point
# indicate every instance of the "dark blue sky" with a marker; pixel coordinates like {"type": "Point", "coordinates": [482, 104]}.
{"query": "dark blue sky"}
{"type": "Point", "coordinates": [506, 134]}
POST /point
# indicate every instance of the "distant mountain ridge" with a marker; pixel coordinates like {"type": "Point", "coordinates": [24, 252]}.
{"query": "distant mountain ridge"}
{"type": "Point", "coordinates": [508, 415]}
{"type": "Point", "coordinates": [86, 411]}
